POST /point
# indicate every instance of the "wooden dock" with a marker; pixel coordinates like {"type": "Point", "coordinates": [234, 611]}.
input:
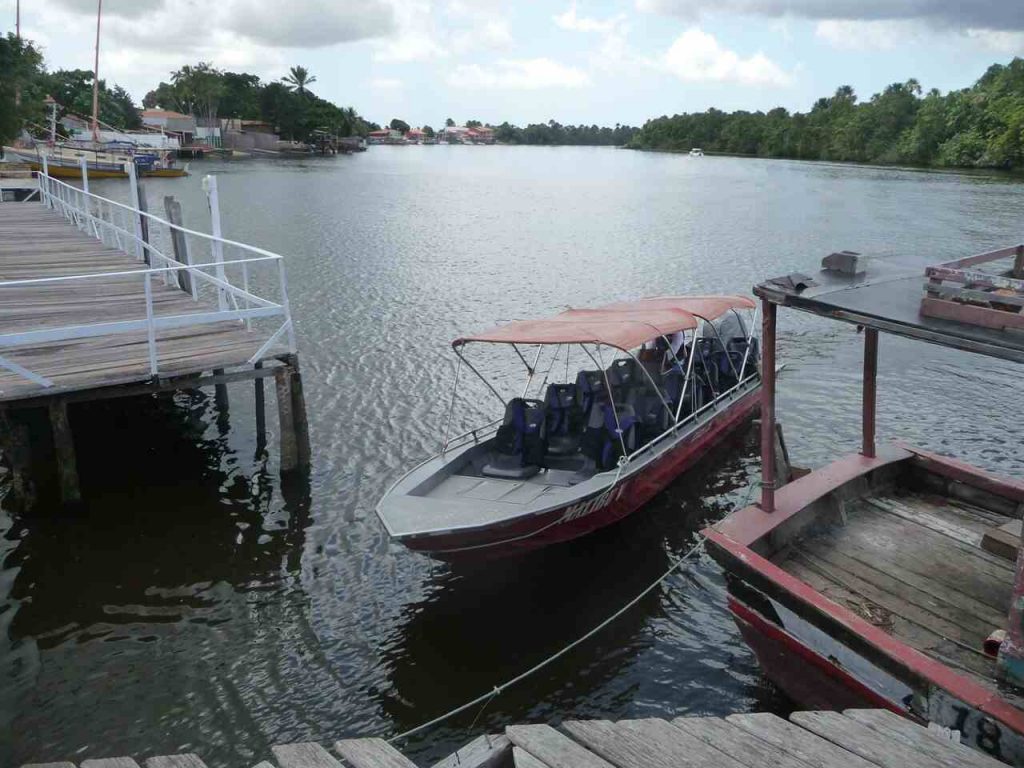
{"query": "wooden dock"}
{"type": "Point", "coordinates": [854, 739]}
{"type": "Point", "coordinates": [101, 300]}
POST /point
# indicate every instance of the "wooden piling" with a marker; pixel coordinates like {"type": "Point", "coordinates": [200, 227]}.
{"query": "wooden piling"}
{"type": "Point", "coordinates": [286, 419]}
{"type": "Point", "coordinates": [299, 418]}
{"type": "Point", "coordinates": [144, 224]}
{"type": "Point", "coordinates": [64, 449]}
{"type": "Point", "coordinates": [261, 410]}
{"type": "Point", "coordinates": [220, 393]}
{"type": "Point", "coordinates": [17, 449]}
{"type": "Point", "coordinates": [178, 241]}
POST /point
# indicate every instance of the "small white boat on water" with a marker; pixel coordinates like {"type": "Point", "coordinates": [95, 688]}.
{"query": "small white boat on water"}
{"type": "Point", "coordinates": [696, 152]}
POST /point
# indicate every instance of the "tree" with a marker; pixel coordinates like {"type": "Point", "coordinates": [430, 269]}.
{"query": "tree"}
{"type": "Point", "coordinates": [399, 125]}
{"type": "Point", "coordinates": [198, 89]}
{"type": "Point", "coordinates": [428, 131]}
{"type": "Point", "coordinates": [473, 123]}
{"type": "Point", "coordinates": [241, 95]}
{"type": "Point", "coordinates": [449, 123]}
{"type": "Point", "coordinates": [299, 78]}
{"type": "Point", "coordinates": [21, 86]}
{"type": "Point", "coordinates": [72, 90]}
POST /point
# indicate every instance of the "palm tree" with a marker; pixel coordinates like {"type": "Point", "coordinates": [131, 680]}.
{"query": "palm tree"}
{"type": "Point", "coordinates": [299, 78]}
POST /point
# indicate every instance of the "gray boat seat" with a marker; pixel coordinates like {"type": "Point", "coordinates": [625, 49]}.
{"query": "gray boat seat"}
{"type": "Point", "coordinates": [564, 420]}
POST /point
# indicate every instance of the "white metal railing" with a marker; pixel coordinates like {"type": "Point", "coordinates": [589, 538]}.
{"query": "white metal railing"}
{"type": "Point", "coordinates": [221, 273]}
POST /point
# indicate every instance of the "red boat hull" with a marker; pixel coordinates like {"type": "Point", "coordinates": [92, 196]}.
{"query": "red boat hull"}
{"type": "Point", "coordinates": [602, 508]}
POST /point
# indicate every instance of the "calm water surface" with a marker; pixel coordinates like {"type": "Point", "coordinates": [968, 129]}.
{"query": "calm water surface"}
{"type": "Point", "coordinates": [194, 604]}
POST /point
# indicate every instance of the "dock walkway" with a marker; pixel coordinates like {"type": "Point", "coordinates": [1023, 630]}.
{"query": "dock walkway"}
{"type": "Point", "coordinates": [37, 242]}
{"type": "Point", "coordinates": [854, 739]}
{"type": "Point", "coordinates": [100, 299]}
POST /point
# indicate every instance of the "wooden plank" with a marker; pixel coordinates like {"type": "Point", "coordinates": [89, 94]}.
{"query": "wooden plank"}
{"type": "Point", "coordinates": [1003, 541]}
{"type": "Point", "coordinates": [48, 765]}
{"type": "Point", "coordinates": [858, 738]}
{"type": "Point", "coordinates": [371, 753]}
{"type": "Point", "coordinates": [186, 760]}
{"type": "Point", "coordinates": [487, 751]}
{"type": "Point", "coordinates": [681, 747]}
{"type": "Point", "coordinates": [943, 751]}
{"type": "Point", "coordinates": [640, 743]}
{"type": "Point", "coordinates": [740, 745]}
{"type": "Point", "coordinates": [304, 755]}
{"type": "Point", "coordinates": [110, 762]}
{"type": "Point", "coordinates": [554, 749]}
{"type": "Point", "coordinates": [523, 759]}
{"type": "Point", "coordinates": [812, 749]}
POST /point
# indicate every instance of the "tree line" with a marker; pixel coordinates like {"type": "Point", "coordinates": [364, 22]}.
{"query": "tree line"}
{"type": "Point", "coordinates": [554, 133]}
{"type": "Point", "coordinates": [981, 126]}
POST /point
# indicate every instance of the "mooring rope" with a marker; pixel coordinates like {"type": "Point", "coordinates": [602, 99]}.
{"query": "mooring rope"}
{"type": "Point", "coordinates": [486, 698]}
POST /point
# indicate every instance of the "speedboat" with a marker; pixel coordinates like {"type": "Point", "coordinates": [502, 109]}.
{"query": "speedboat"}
{"type": "Point", "coordinates": [618, 400]}
{"type": "Point", "coordinates": [696, 152]}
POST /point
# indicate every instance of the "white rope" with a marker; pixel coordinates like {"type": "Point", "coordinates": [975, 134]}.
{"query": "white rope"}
{"type": "Point", "coordinates": [486, 698]}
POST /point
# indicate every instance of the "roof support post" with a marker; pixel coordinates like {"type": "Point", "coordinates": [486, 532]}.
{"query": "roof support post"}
{"type": "Point", "coordinates": [768, 406]}
{"type": "Point", "coordinates": [870, 392]}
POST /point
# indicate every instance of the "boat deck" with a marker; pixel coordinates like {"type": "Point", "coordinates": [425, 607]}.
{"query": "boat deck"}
{"type": "Point", "coordinates": [912, 565]}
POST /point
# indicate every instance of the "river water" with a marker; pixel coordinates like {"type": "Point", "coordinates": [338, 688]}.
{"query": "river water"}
{"type": "Point", "coordinates": [193, 604]}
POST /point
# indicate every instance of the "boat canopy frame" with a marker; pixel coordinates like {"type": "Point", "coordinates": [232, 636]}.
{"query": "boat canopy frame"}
{"type": "Point", "coordinates": [697, 330]}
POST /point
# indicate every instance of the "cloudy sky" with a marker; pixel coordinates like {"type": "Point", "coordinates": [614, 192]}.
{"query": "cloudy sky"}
{"type": "Point", "coordinates": [590, 61]}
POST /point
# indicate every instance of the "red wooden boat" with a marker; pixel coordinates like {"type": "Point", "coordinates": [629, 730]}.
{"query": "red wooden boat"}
{"type": "Point", "coordinates": [580, 447]}
{"type": "Point", "coordinates": [885, 579]}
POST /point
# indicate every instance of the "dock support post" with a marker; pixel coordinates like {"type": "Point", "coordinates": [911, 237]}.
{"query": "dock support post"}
{"type": "Point", "coordinates": [220, 393]}
{"type": "Point", "coordinates": [180, 244]}
{"type": "Point", "coordinates": [870, 392]}
{"type": "Point", "coordinates": [299, 414]}
{"type": "Point", "coordinates": [64, 448]}
{"type": "Point", "coordinates": [286, 419]}
{"type": "Point", "coordinates": [261, 410]}
{"type": "Point", "coordinates": [767, 406]}
{"type": "Point", "coordinates": [144, 230]}
{"type": "Point", "coordinates": [18, 453]}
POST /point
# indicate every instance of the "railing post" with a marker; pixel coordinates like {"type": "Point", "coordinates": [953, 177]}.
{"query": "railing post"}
{"type": "Point", "coordinates": [84, 162]}
{"type": "Point", "coordinates": [210, 185]}
{"type": "Point", "coordinates": [133, 182]}
{"type": "Point", "coordinates": [767, 406]}
{"type": "Point", "coordinates": [44, 183]}
{"type": "Point", "coordinates": [150, 327]}
{"type": "Point", "coordinates": [870, 392]}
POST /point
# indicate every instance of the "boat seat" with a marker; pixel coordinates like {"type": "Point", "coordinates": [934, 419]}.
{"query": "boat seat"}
{"type": "Point", "coordinates": [616, 418]}
{"type": "Point", "coordinates": [737, 349]}
{"type": "Point", "coordinates": [520, 443]}
{"type": "Point", "coordinates": [590, 388]}
{"type": "Point", "coordinates": [564, 420]}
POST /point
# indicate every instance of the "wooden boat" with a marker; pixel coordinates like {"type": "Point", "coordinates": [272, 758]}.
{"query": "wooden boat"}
{"type": "Point", "coordinates": [103, 161]}
{"type": "Point", "coordinates": [662, 379]}
{"type": "Point", "coordinates": [884, 579]}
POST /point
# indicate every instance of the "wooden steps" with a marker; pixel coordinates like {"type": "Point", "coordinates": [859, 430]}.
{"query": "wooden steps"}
{"type": "Point", "coordinates": [855, 739]}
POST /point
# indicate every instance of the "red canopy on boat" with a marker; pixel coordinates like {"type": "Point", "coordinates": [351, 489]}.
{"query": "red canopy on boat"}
{"type": "Point", "coordinates": [625, 324]}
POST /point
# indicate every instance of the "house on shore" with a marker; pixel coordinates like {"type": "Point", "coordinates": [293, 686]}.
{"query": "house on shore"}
{"type": "Point", "coordinates": [170, 122]}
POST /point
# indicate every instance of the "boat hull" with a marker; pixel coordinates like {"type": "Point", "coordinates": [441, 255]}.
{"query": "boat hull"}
{"type": "Point", "coordinates": [825, 656]}
{"type": "Point", "coordinates": [604, 507]}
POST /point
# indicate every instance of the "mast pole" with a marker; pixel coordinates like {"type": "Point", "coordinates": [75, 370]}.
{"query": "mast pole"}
{"type": "Point", "coordinates": [96, 76]}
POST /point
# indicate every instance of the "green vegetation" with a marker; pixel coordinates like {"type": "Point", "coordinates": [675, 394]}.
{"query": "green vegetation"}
{"type": "Point", "coordinates": [25, 83]}
{"type": "Point", "coordinates": [554, 133]}
{"type": "Point", "coordinates": [208, 93]}
{"type": "Point", "coordinates": [980, 126]}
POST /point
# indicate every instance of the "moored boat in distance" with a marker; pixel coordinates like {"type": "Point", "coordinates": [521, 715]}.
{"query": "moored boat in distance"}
{"type": "Point", "coordinates": [103, 160]}
{"type": "Point", "coordinates": [696, 152]}
{"type": "Point", "coordinates": [618, 401]}
{"type": "Point", "coordinates": [887, 578]}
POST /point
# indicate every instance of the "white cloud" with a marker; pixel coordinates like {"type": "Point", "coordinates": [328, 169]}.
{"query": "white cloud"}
{"type": "Point", "coordinates": [486, 34]}
{"type": "Point", "coordinates": [957, 14]}
{"type": "Point", "coordinates": [519, 74]}
{"type": "Point", "coordinates": [302, 24]}
{"type": "Point", "coordinates": [867, 35]}
{"type": "Point", "coordinates": [697, 57]}
{"type": "Point", "coordinates": [386, 83]}
{"type": "Point", "coordinates": [570, 19]}
{"type": "Point", "coordinates": [1000, 41]}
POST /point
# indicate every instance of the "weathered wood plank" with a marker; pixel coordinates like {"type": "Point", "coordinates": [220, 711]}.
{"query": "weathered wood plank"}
{"type": "Point", "coordinates": [48, 765]}
{"type": "Point", "coordinates": [858, 738]}
{"type": "Point", "coordinates": [554, 749]}
{"type": "Point", "coordinates": [1003, 541]}
{"type": "Point", "coordinates": [304, 755]}
{"type": "Point", "coordinates": [812, 749]}
{"type": "Point", "coordinates": [487, 751]}
{"type": "Point", "coordinates": [110, 762]}
{"type": "Point", "coordinates": [371, 753]}
{"type": "Point", "coordinates": [523, 759]}
{"type": "Point", "coordinates": [740, 745]}
{"type": "Point", "coordinates": [185, 760]}
{"type": "Point", "coordinates": [943, 751]}
{"type": "Point", "coordinates": [681, 747]}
